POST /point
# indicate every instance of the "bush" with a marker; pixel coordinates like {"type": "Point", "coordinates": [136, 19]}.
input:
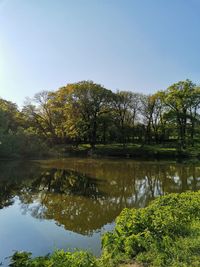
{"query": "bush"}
{"type": "Point", "coordinates": [58, 259]}
{"type": "Point", "coordinates": [22, 145]}
{"type": "Point", "coordinates": [166, 233]}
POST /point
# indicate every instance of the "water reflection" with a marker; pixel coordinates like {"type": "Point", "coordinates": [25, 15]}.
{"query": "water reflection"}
{"type": "Point", "coordinates": [83, 195]}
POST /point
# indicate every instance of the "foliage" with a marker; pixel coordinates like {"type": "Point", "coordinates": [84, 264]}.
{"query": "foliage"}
{"type": "Point", "coordinates": [17, 139]}
{"type": "Point", "coordinates": [87, 113]}
{"type": "Point", "coordinates": [182, 100]}
{"type": "Point", "coordinates": [58, 259]}
{"type": "Point", "coordinates": [166, 233]}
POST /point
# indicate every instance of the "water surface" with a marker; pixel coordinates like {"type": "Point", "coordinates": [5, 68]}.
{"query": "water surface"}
{"type": "Point", "coordinates": [69, 203]}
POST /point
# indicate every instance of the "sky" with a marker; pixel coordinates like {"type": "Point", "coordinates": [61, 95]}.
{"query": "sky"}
{"type": "Point", "coordinates": [136, 45]}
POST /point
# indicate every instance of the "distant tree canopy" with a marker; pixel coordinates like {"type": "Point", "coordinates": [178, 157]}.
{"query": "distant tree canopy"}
{"type": "Point", "coordinates": [86, 112]}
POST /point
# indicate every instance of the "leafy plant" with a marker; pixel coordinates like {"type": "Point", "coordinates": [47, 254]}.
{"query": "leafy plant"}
{"type": "Point", "coordinates": [166, 233]}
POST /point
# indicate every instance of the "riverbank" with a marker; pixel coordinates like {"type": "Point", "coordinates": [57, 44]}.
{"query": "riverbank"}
{"type": "Point", "coordinates": [136, 151]}
{"type": "Point", "coordinates": [131, 151]}
{"type": "Point", "coordinates": [166, 233]}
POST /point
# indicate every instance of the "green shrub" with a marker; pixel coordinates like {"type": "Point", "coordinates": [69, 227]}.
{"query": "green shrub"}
{"type": "Point", "coordinates": [58, 259]}
{"type": "Point", "coordinates": [166, 233]}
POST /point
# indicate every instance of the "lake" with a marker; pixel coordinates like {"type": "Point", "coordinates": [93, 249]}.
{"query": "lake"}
{"type": "Point", "coordinates": [69, 203]}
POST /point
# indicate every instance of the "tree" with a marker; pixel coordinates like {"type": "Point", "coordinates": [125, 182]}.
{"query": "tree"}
{"type": "Point", "coordinates": [183, 99]}
{"type": "Point", "coordinates": [83, 104]}
{"type": "Point", "coordinates": [40, 116]}
{"type": "Point", "coordinates": [126, 108]}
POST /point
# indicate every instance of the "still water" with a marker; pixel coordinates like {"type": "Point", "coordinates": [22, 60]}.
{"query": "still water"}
{"type": "Point", "coordinates": [69, 203]}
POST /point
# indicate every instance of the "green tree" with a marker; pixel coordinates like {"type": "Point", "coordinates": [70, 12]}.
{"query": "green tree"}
{"type": "Point", "coordinates": [82, 106]}
{"type": "Point", "coordinates": [126, 107]}
{"type": "Point", "coordinates": [183, 99]}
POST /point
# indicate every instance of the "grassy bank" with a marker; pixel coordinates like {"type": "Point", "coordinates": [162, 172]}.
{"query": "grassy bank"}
{"type": "Point", "coordinates": [164, 234]}
{"type": "Point", "coordinates": [132, 151]}
{"type": "Point", "coordinates": [108, 150]}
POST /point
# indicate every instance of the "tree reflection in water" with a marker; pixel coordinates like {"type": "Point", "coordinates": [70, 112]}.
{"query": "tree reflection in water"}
{"type": "Point", "coordinates": [83, 195]}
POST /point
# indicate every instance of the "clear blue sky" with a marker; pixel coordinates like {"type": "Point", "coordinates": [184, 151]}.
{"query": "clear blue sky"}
{"type": "Point", "coordinates": [139, 45]}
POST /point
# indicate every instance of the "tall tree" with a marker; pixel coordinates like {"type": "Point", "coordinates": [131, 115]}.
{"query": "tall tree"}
{"type": "Point", "coordinates": [82, 105]}
{"type": "Point", "coordinates": [183, 99]}
{"type": "Point", "coordinates": [126, 109]}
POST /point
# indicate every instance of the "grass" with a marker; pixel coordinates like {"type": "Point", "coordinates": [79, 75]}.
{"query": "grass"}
{"type": "Point", "coordinates": [153, 151]}
{"type": "Point", "coordinates": [130, 150]}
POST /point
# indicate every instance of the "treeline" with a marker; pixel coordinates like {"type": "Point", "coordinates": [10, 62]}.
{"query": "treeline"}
{"type": "Point", "coordinates": [86, 112]}
{"type": "Point", "coordinates": [17, 137]}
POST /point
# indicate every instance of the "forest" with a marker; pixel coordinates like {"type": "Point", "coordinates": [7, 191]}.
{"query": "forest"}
{"type": "Point", "coordinates": [87, 113]}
